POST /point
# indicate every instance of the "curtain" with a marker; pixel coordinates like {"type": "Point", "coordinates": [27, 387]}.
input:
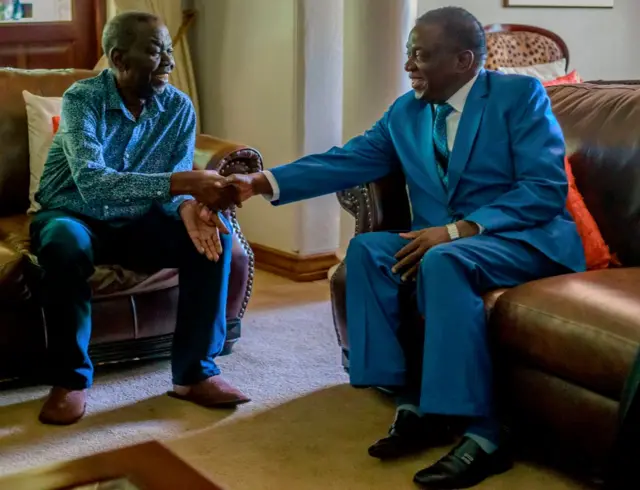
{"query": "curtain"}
{"type": "Point", "coordinates": [170, 11]}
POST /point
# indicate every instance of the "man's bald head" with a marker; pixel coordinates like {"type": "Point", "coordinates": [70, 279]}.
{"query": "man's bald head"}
{"type": "Point", "coordinates": [122, 31]}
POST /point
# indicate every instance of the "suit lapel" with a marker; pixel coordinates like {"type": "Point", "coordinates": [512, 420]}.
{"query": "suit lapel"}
{"type": "Point", "coordinates": [424, 137]}
{"type": "Point", "coordinates": [467, 130]}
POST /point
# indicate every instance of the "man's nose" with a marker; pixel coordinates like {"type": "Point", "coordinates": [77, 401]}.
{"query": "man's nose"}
{"type": "Point", "coordinates": [167, 59]}
{"type": "Point", "coordinates": [409, 66]}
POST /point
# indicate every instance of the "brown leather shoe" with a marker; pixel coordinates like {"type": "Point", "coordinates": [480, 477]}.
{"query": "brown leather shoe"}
{"type": "Point", "coordinates": [63, 407]}
{"type": "Point", "coordinates": [213, 392]}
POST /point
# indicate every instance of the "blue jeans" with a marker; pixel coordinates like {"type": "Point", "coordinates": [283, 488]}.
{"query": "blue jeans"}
{"type": "Point", "coordinates": [68, 246]}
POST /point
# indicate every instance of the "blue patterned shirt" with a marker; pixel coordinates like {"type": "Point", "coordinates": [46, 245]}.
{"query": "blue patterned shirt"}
{"type": "Point", "coordinates": [107, 165]}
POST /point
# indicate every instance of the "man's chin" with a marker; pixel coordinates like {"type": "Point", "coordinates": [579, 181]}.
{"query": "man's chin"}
{"type": "Point", "coordinates": [421, 95]}
{"type": "Point", "coordinates": [159, 89]}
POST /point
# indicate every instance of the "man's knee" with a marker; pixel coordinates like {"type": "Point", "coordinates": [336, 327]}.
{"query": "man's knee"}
{"type": "Point", "coordinates": [373, 244]}
{"type": "Point", "coordinates": [64, 245]}
{"type": "Point", "coordinates": [440, 256]}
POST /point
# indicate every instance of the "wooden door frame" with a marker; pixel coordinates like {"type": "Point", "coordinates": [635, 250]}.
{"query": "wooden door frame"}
{"type": "Point", "coordinates": [56, 31]}
{"type": "Point", "coordinates": [100, 8]}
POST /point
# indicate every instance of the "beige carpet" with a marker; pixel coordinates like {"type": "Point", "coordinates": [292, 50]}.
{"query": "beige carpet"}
{"type": "Point", "coordinates": [306, 428]}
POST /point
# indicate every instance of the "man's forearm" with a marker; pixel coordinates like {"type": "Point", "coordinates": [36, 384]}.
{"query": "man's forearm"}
{"type": "Point", "coordinates": [108, 186]}
{"type": "Point", "coordinates": [182, 183]}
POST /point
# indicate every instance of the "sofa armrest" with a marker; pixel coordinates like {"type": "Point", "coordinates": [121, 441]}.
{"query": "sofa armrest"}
{"type": "Point", "coordinates": [226, 156]}
{"type": "Point", "coordinates": [379, 206]}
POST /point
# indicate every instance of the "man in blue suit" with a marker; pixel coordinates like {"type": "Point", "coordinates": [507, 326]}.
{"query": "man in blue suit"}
{"type": "Point", "coordinates": [483, 158]}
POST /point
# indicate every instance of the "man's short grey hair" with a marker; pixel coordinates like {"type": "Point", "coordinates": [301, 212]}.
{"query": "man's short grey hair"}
{"type": "Point", "coordinates": [121, 32]}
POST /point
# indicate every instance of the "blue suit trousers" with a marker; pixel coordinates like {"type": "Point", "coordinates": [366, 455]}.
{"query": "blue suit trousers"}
{"type": "Point", "coordinates": [457, 375]}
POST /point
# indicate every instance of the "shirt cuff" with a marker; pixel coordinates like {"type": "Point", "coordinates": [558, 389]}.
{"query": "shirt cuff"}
{"type": "Point", "coordinates": [275, 195]}
{"type": "Point", "coordinates": [172, 208]}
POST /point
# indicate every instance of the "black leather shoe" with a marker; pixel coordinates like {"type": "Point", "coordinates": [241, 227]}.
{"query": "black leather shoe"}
{"type": "Point", "coordinates": [411, 434]}
{"type": "Point", "coordinates": [465, 466]}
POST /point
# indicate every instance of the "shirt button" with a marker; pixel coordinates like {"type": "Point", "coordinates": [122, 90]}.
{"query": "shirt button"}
{"type": "Point", "coordinates": [126, 155]}
{"type": "Point", "coordinates": [106, 207]}
{"type": "Point", "coordinates": [127, 200]}
{"type": "Point", "coordinates": [159, 193]}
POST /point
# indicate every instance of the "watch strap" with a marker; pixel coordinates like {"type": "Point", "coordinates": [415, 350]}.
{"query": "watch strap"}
{"type": "Point", "coordinates": [453, 231]}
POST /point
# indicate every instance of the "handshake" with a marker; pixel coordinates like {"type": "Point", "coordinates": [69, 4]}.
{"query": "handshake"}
{"type": "Point", "coordinates": [217, 192]}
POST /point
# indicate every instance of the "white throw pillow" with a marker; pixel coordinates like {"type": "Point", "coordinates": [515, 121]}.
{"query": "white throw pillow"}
{"type": "Point", "coordinates": [544, 73]}
{"type": "Point", "coordinates": [40, 113]}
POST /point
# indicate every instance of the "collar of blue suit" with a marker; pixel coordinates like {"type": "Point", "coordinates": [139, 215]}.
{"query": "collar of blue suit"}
{"type": "Point", "coordinates": [474, 105]}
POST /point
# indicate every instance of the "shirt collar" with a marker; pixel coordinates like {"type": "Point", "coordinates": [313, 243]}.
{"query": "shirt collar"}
{"type": "Point", "coordinates": [458, 100]}
{"type": "Point", "coordinates": [115, 102]}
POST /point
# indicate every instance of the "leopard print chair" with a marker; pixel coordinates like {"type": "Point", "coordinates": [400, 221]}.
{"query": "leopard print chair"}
{"type": "Point", "coordinates": [515, 45]}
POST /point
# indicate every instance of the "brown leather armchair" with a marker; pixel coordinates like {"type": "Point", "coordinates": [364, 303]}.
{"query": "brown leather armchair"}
{"type": "Point", "coordinates": [133, 313]}
{"type": "Point", "coordinates": [563, 345]}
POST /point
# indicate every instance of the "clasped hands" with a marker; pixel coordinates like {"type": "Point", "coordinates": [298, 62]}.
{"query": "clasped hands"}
{"type": "Point", "coordinates": [213, 194]}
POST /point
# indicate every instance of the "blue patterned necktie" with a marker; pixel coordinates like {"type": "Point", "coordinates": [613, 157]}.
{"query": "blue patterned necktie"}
{"type": "Point", "coordinates": [440, 129]}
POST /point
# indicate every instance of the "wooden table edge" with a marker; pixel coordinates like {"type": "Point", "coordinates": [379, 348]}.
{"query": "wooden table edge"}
{"type": "Point", "coordinates": [149, 465]}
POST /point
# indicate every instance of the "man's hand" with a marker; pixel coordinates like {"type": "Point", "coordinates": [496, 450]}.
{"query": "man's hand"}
{"type": "Point", "coordinates": [204, 235]}
{"type": "Point", "coordinates": [207, 186]}
{"type": "Point", "coordinates": [250, 185]}
{"type": "Point", "coordinates": [410, 255]}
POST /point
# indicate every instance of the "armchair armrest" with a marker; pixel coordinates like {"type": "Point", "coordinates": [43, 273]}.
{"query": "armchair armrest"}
{"type": "Point", "coordinates": [227, 157]}
{"type": "Point", "coordinates": [379, 206]}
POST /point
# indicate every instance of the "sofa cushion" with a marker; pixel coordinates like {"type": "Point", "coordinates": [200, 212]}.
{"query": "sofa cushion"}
{"type": "Point", "coordinates": [14, 140]}
{"type": "Point", "coordinates": [41, 112]}
{"type": "Point", "coordinates": [13, 286]}
{"type": "Point", "coordinates": [597, 115]}
{"type": "Point", "coordinates": [521, 48]}
{"type": "Point", "coordinates": [583, 328]}
{"type": "Point", "coordinates": [600, 124]}
{"type": "Point", "coordinates": [609, 181]}
{"type": "Point", "coordinates": [107, 280]}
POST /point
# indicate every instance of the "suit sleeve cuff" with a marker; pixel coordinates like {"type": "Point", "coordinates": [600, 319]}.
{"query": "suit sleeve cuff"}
{"type": "Point", "coordinates": [275, 195]}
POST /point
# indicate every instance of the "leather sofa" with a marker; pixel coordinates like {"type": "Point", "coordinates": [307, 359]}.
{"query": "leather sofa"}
{"type": "Point", "coordinates": [563, 345]}
{"type": "Point", "coordinates": [133, 313]}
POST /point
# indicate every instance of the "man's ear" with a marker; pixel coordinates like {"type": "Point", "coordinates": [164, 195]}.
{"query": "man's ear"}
{"type": "Point", "coordinates": [117, 59]}
{"type": "Point", "coordinates": [466, 59]}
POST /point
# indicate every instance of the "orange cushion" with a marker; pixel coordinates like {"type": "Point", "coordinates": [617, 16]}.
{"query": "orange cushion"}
{"type": "Point", "coordinates": [571, 77]}
{"type": "Point", "coordinates": [56, 123]}
{"type": "Point", "coordinates": [596, 250]}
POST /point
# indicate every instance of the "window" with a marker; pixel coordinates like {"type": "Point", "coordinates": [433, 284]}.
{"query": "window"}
{"type": "Point", "coordinates": [35, 11]}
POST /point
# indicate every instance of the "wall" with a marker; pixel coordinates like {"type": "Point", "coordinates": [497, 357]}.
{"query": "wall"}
{"type": "Point", "coordinates": [375, 36]}
{"type": "Point", "coordinates": [602, 42]}
{"type": "Point", "coordinates": [245, 56]}
{"type": "Point", "coordinates": [269, 75]}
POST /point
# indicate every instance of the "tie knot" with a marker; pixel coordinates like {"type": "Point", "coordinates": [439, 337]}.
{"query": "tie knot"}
{"type": "Point", "coordinates": [443, 110]}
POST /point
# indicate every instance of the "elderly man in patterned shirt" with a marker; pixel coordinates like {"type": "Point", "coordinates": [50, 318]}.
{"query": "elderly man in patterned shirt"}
{"type": "Point", "coordinates": [118, 187]}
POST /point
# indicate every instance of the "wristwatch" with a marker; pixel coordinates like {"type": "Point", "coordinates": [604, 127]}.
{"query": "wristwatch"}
{"type": "Point", "coordinates": [453, 231]}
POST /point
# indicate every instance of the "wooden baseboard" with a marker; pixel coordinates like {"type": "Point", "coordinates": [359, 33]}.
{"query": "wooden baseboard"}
{"type": "Point", "coordinates": [295, 267]}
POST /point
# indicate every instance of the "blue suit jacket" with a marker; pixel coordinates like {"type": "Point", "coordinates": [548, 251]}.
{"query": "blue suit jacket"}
{"type": "Point", "coordinates": [506, 171]}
